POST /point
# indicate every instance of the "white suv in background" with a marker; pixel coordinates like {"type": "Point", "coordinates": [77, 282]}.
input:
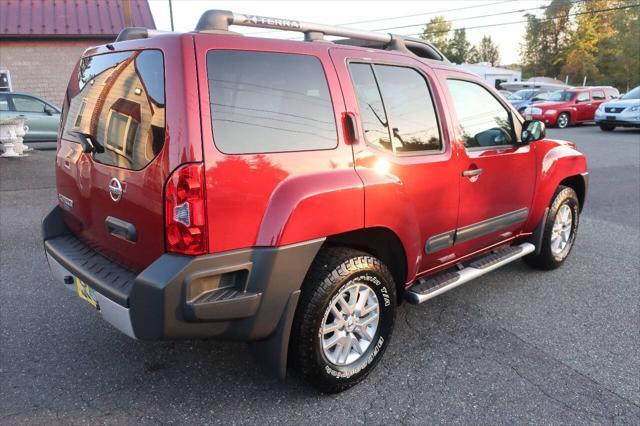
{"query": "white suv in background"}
{"type": "Point", "coordinates": [623, 112]}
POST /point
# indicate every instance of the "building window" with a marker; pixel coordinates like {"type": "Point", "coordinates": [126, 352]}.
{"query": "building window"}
{"type": "Point", "coordinates": [121, 133]}
{"type": "Point", "coordinates": [78, 121]}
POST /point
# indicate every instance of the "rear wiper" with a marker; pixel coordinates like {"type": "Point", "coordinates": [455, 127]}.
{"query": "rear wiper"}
{"type": "Point", "coordinates": [89, 143]}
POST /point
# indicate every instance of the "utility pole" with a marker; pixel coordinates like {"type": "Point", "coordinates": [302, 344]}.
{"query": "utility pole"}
{"type": "Point", "coordinates": [171, 14]}
{"type": "Point", "coordinates": [126, 12]}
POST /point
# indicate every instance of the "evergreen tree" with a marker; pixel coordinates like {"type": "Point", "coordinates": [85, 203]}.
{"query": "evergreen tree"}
{"type": "Point", "coordinates": [459, 47]}
{"type": "Point", "coordinates": [436, 31]}
{"type": "Point", "coordinates": [487, 51]}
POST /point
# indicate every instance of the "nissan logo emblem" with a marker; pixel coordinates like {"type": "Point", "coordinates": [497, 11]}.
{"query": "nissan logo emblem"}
{"type": "Point", "coordinates": [115, 189]}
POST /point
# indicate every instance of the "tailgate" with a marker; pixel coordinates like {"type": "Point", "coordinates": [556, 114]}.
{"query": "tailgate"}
{"type": "Point", "coordinates": [113, 196]}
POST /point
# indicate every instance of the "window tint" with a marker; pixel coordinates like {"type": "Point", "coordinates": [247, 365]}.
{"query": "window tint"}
{"type": "Point", "coordinates": [27, 104]}
{"type": "Point", "coordinates": [598, 95]}
{"type": "Point", "coordinates": [409, 107]}
{"type": "Point", "coordinates": [372, 114]}
{"type": "Point", "coordinates": [483, 120]}
{"type": "Point", "coordinates": [405, 100]}
{"type": "Point", "coordinates": [269, 102]}
{"type": "Point", "coordinates": [120, 103]}
{"type": "Point", "coordinates": [583, 96]}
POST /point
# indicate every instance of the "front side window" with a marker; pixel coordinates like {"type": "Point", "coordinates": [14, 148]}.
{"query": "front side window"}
{"type": "Point", "coordinates": [27, 104]}
{"type": "Point", "coordinates": [119, 101]}
{"type": "Point", "coordinates": [583, 97]}
{"type": "Point", "coordinates": [483, 121]}
{"type": "Point", "coordinates": [396, 108]}
{"type": "Point", "coordinates": [269, 102]}
{"type": "Point", "coordinates": [562, 96]}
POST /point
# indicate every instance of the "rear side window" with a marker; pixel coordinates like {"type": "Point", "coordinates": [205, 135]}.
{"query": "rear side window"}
{"type": "Point", "coordinates": [269, 102]}
{"type": "Point", "coordinates": [396, 108]}
{"type": "Point", "coordinates": [372, 114]}
{"type": "Point", "coordinates": [598, 95]}
{"type": "Point", "coordinates": [414, 126]}
{"type": "Point", "coordinates": [4, 103]}
{"type": "Point", "coordinates": [120, 103]}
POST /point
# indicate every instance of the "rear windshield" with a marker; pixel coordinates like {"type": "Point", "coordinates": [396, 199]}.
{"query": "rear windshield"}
{"type": "Point", "coordinates": [119, 102]}
{"type": "Point", "coordinates": [269, 102]}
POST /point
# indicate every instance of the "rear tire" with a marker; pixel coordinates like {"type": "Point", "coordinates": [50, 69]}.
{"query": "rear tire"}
{"type": "Point", "coordinates": [607, 127]}
{"type": "Point", "coordinates": [560, 231]}
{"type": "Point", "coordinates": [563, 120]}
{"type": "Point", "coordinates": [341, 294]}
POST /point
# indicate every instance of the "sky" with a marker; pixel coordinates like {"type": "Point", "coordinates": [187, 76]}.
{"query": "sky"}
{"type": "Point", "coordinates": [467, 13]}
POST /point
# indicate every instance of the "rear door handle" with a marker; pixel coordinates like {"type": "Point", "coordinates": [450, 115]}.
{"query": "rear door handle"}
{"type": "Point", "coordinates": [472, 172]}
{"type": "Point", "coordinates": [121, 229]}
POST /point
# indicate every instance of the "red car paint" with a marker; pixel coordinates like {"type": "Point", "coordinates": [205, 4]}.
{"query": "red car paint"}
{"type": "Point", "coordinates": [277, 199]}
{"type": "Point", "coordinates": [581, 106]}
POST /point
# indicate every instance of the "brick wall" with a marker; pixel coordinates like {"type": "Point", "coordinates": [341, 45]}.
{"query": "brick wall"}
{"type": "Point", "coordinates": [42, 67]}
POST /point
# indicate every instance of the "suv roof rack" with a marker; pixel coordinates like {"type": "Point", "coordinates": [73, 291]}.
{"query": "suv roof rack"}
{"type": "Point", "coordinates": [218, 21]}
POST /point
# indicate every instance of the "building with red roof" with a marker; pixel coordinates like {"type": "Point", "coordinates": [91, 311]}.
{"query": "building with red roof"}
{"type": "Point", "coordinates": [41, 40]}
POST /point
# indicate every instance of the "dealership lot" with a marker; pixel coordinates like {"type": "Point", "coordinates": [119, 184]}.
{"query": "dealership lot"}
{"type": "Point", "coordinates": [517, 345]}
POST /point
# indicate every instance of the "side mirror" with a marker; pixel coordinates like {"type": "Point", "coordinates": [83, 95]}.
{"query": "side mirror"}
{"type": "Point", "coordinates": [48, 110]}
{"type": "Point", "coordinates": [533, 130]}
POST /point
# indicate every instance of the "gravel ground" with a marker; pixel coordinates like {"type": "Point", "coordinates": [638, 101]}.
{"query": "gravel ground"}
{"type": "Point", "coordinates": [517, 345]}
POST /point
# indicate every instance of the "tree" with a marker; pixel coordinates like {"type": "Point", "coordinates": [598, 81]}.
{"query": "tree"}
{"type": "Point", "coordinates": [486, 51]}
{"type": "Point", "coordinates": [588, 45]}
{"type": "Point", "coordinates": [543, 50]}
{"type": "Point", "coordinates": [459, 47]}
{"type": "Point", "coordinates": [436, 32]}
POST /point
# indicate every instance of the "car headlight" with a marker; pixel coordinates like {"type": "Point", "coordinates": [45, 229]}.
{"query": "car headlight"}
{"type": "Point", "coordinates": [601, 108]}
{"type": "Point", "coordinates": [633, 108]}
{"type": "Point", "coordinates": [550, 111]}
{"type": "Point", "coordinates": [535, 110]}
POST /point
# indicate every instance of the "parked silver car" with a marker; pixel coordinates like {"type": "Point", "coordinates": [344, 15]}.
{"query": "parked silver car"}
{"type": "Point", "coordinates": [622, 112]}
{"type": "Point", "coordinates": [43, 118]}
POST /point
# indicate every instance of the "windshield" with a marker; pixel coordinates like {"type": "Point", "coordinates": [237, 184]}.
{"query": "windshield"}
{"type": "Point", "coordinates": [634, 94]}
{"type": "Point", "coordinates": [562, 95]}
{"type": "Point", "coordinates": [541, 96]}
{"type": "Point", "coordinates": [522, 95]}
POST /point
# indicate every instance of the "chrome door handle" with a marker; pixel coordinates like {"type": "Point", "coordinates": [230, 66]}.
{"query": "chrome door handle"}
{"type": "Point", "coordinates": [472, 172]}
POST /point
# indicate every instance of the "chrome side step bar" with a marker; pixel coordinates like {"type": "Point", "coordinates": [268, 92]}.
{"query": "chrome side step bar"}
{"type": "Point", "coordinates": [430, 287]}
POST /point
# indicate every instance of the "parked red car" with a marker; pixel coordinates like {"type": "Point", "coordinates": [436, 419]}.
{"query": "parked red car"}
{"type": "Point", "coordinates": [290, 194]}
{"type": "Point", "coordinates": [571, 106]}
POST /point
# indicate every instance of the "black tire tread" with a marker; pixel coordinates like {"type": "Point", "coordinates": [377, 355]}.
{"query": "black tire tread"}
{"type": "Point", "coordinates": [544, 260]}
{"type": "Point", "coordinates": [329, 268]}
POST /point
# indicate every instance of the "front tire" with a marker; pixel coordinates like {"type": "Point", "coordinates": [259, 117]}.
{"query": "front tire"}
{"type": "Point", "coordinates": [562, 121]}
{"type": "Point", "coordinates": [560, 230]}
{"type": "Point", "coordinates": [344, 319]}
{"type": "Point", "coordinates": [607, 127]}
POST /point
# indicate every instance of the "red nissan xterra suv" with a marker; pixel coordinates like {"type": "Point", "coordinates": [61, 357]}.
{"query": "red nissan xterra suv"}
{"type": "Point", "coordinates": [291, 193]}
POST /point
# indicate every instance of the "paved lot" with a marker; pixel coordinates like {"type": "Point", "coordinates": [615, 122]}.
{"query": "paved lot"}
{"type": "Point", "coordinates": [514, 346]}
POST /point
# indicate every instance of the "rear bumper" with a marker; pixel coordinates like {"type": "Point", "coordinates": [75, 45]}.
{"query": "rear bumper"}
{"type": "Point", "coordinates": [246, 291]}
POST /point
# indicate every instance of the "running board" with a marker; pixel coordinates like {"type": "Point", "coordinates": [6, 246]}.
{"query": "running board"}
{"type": "Point", "coordinates": [430, 287]}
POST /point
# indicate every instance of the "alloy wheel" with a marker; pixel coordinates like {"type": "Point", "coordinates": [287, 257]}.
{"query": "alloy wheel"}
{"type": "Point", "coordinates": [561, 231]}
{"type": "Point", "coordinates": [350, 324]}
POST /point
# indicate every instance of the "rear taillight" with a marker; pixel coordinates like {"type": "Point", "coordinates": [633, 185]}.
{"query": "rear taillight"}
{"type": "Point", "coordinates": [185, 214]}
